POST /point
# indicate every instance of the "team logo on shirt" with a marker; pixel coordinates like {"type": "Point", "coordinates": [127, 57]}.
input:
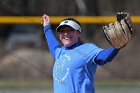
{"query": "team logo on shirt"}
{"type": "Point", "coordinates": [60, 70]}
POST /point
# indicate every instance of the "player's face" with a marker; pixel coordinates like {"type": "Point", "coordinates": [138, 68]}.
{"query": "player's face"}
{"type": "Point", "coordinates": [69, 36]}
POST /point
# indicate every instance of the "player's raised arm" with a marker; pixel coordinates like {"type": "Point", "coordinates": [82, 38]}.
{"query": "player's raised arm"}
{"type": "Point", "coordinates": [118, 34]}
{"type": "Point", "coordinates": [51, 39]}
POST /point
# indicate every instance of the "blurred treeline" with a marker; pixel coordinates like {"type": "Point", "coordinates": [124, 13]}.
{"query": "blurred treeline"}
{"type": "Point", "coordinates": [23, 48]}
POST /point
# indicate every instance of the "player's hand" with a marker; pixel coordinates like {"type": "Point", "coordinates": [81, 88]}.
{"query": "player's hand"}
{"type": "Point", "coordinates": [45, 20]}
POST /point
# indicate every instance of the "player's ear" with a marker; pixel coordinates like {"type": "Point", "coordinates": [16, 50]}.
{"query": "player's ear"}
{"type": "Point", "coordinates": [79, 35]}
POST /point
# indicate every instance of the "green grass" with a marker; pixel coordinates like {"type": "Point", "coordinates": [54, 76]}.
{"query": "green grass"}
{"type": "Point", "coordinates": [48, 83]}
{"type": "Point", "coordinates": [25, 84]}
{"type": "Point", "coordinates": [117, 83]}
{"type": "Point", "coordinates": [117, 86]}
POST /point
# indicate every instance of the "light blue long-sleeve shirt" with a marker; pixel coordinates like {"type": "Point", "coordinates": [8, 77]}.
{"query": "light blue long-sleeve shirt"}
{"type": "Point", "coordinates": [75, 66]}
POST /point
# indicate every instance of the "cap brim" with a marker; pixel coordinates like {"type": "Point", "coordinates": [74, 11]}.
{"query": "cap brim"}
{"type": "Point", "coordinates": [69, 23]}
{"type": "Point", "coordinates": [60, 26]}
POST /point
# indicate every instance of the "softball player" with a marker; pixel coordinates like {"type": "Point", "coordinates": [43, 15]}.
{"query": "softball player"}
{"type": "Point", "coordinates": [75, 62]}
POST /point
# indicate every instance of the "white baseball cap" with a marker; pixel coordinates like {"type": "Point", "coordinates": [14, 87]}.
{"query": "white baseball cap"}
{"type": "Point", "coordinates": [70, 23]}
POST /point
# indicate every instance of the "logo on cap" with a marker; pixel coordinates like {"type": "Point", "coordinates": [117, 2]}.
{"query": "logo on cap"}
{"type": "Point", "coordinates": [66, 22]}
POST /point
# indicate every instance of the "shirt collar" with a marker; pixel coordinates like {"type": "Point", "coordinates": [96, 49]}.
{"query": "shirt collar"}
{"type": "Point", "coordinates": [73, 46]}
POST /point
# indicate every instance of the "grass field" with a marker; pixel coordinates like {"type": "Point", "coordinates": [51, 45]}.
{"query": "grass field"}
{"type": "Point", "coordinates": [47, 87]}
{"type": "Point", "coordinates": [117, 86]}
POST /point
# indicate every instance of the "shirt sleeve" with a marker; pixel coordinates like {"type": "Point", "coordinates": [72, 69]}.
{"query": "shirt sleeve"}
{"type": "Point", "coordinates": [53, 44]}
{"type": "Point", "coordinates": [106, 56]}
